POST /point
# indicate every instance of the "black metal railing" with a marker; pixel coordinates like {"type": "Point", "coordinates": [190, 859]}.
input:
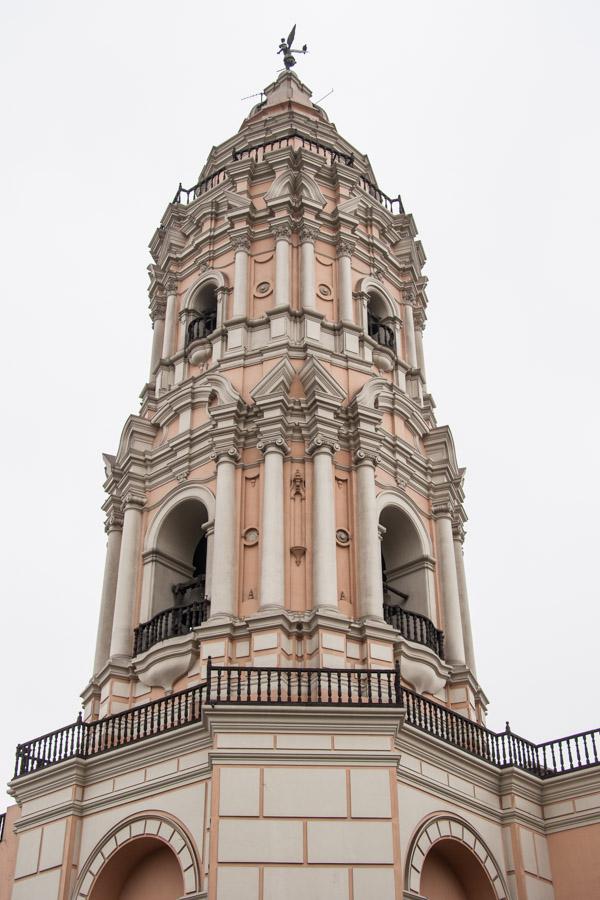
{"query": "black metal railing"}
{"type": "Point", "coordinates": [2, 825]}
{"type": "Point", "coordinates": [297, 141]}
{"type": "Point", "coordinates": [201, 327]}
{"type": "Point", "coordinates": [414, 627]}
{"type": "Point", "coordinates": [85, 739]}
{"type": "Point", "coordinates": [313, 687]}
{"type": "Point", "coordinates": [170, 623]}
{"type": "Point", "coordinates": [383, 334]}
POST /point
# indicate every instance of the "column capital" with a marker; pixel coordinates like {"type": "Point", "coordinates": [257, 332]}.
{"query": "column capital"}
{"type": "Point", "coordinates": [113, 521]}
{"type": "Point", "coordinates": [366, 457]}
{"type": "Point", "coordinates": [308, 233]}
{"type": "Point", "coordinates": [361, 297]}
{"type": "Point", "coordinates": [171, 284]}
{"type": "Point", "coordinates": [344, 247]}
{"type": "Point", "coordinates": [419, 318]}
{"type": "Point", "coordinates": [225, 454]}
{"type": "Point", "coordinates": [208, 528]}
{"type": "Point", "coordinates": [270, 443]}
{"type": "Point", "coordinates": [443, 509]}
{"type": "Point", "coordinates": [240, 243]}
{"type": "Point", "coordinates": [223, 291]}
{"type": "Point", "coordinates": [282, 231]}
{"type": "Point", "coordinates": [458, 532]}
{"type": "Point", "coordinates": [381, 531]}
{"type": "Point", "coordinates": [158, 308]}
{"type": "Point", "coordinates": [409, 297]}
{"type": "Point", "coordinates": [133, 500]}
{"type": "Point", "coordinates": [322, 444]}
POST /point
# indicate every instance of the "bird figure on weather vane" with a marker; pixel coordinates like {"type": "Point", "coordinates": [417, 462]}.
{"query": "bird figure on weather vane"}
{"type": "Point", "coordinates": [286, 48]}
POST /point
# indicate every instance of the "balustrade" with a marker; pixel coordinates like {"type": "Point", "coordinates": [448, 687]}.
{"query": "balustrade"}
{"type": "Point", "coordinates": [171, 622]}
{"type": "Point", "coordinates": [414, 627]}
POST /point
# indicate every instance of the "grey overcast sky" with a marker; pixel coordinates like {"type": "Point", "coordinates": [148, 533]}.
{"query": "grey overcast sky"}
{"type": "Point", "coordinates": [484, 115]}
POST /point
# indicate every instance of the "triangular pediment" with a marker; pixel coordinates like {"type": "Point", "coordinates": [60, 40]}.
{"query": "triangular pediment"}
{"type": "Point", "coordinates": [319, 383]}
{"type": "Point", "coordinates": [295, 184]}
{"type": "Point", "coordinates": [277, 381]}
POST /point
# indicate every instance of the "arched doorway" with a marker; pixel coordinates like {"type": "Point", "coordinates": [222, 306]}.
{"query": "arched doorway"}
{"type": "Point", "coordinates": [451, 871]}
{"type": "Point", "coordinates": [142, 869]}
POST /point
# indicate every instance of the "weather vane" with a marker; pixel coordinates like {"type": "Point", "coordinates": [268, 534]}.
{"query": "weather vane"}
{"type": "Point", "coordinates": [288, 51]}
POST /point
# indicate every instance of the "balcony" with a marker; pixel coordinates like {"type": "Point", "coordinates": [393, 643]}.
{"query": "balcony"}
{"type": "Point", "coordinates": [287, 687]}
{"type": "Point", "coordinates": [381, 333]}
{"type": "Point", "coordinates": [413, 626]}
{"type": "Point", "coordinates": [172, 622]}
{"type": "Point", "coordinates": [200, 327]}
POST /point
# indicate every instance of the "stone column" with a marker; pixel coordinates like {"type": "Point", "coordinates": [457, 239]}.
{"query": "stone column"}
{"type": "Point", "coordinates": [209, 531]}
{"type": "Point", "coordinates": [170, 319]}
{"type": "Point", "coordinates": [453, 637]}
{"type": "Point", "coordinates": [419, 323]}
{"type": "Point", "coordinates": [370, 581]}
{"type": "Point", "coordinates": [157, 314]}
{"type": "Point", "coordinates": [114, 531]}
{"type": "Point", "coordinates": [344, 254]}
{"type": "Point", "coordinates": [324, 569]}
{"type": "Point", "coordinates": [122, 630]}
{"type": "Point", "coordinates": [465, 614]}
{"type": "Point", "coordinates": [272, 536]}
{"type": "Point", "coordinates": [241, 245]}
{"type": "Point", "coordinates": [409, 328]}
{"type": "Point", "coordinates": [283, 236]}
{"type": "Point", "coordinates": [223, 578]}
{"type": "Point", "coordinates": [308, 236]}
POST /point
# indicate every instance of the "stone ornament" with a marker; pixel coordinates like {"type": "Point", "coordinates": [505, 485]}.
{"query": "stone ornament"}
{"type": "Point", "coordinates": [240, 243]}
{"type": "Point", "coordinates": [308, 234]}
{"type": "Point", "coordinates": [263, 288]}
{"type": "Point", "coordinates": [250, 536]}
{"type": "Point", "coordinates": [325, 291]}
{"type": "Point", "coordinates": [342, 536]}
{"type": "Point", "coordinates": [344, 247]}
{"type": "Point", "coordinates": [282, 232]}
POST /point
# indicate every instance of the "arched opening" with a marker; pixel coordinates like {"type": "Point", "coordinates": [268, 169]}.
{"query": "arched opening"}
{"type": "Point", "coordinates": [179, 557]}
{"type": "Point", "coordinates": [142, 869]}
{"type": "Point", "coordinates": [379, 324]}
{"type": "Point", "coordinates": [405, 566]}
{"type": "Point", "coordinates": [204, 305]}
{"type": "Point", "coordinates": [452, 872]}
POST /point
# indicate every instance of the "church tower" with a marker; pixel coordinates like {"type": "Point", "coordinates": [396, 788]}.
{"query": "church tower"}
{"type": "Point", "coordinates": [284, 699]}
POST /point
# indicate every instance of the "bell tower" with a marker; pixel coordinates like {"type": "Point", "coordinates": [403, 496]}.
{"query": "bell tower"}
{"type": "Point", "coordinates": [284, 699]}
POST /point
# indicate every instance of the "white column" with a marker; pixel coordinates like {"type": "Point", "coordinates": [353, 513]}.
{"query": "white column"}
{"type": "Point", "coordinates": [419, 323]}
{"type": "Point", "coordinates": [370, 582]}
{"type": "Point", "coordinates": [272, 536]}
{"type": "Point", "coordinates": [283, 234]}
{"type": "Point", "coordinates": [465, 613]}
{"type": "Point", "coordinates": [453, 638]}
{"type": "Point", "coordinates": [323, 527]}
{"type": "Point", "coordinates": [158, 331]}
{"type": "Point", "coordinates": [344, 250]}
{"type": "Point", "coordinates": [409, 330]}
{"type": "Point", "coordinates": [114, 530]}
{"type": "Point", "coordinates": [223, 578]}
{"type": "Point", "coordinates": [170, 320]}
{"type": "Point", "coordinates": [209, 531]}
{"type": "Point", "coordinates": [308, 236]}
{"type": "Point", "coordinates": [122, 630]}
{"type": "Point", "coordinates": [241, 245]}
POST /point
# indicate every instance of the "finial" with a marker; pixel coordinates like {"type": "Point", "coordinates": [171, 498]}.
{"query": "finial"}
{"type": "Point", "coordinates": [286, 48]}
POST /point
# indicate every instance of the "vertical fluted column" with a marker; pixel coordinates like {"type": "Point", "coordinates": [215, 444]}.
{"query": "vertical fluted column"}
{"type": "Point", "coordinates": [454, 644]}
{"type": "Point", "coordinates": [157, 314]}
{"type": "Point", "coordinates": [409, 328]}
{"type": "Point", "coordinates": [114, 531]}
{"type": "Point", "coordinates": [223, 567]}
{"type": "Point", "coordinates": [241, 245]}
{"type": "Point", "coordinates": [209, 531]}
{"type": "Point", "coordinates": [272, 536]}
{"type": "Point", "coordinates": [465, 612]}
{"type": "Point", "coordinates": [344, 254]}
{"type": "Point", "coordinates": [170, 319]}
{"type": "Point", "coordinates": [283, 235]}
{"type": "Point", "coordinates": [419, 324]}
{"type": "Point", "coordinates": [308, 236]}
{"type": "Point", "coordinates": [324, 569]}
{"type": "Point", "coordinates": [122, 630]}
{"type": "Point", "coordinates": [370, 582]}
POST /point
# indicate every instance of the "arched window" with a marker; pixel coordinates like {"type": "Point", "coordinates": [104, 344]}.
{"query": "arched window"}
{"type": "Point", "coordinates": [378, 326]}
{"type": "Point", "coordinates": [205, 306]}
{"type": "Point", "coordinates": [180, 557]}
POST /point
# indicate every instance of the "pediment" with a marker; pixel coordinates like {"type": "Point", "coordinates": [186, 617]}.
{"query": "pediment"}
{"type": "Point", "coordinates": [293, 184]}
{"type": "Point", "coordinates": [318, 383]}
{"type": "Point", "coordinates": [277, 381]}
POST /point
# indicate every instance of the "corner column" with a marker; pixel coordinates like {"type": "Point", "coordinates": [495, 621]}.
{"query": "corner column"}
{"type": "Point", "coordinates": [209, 531]}
{"type": "Point", "coordinates": [409, 328]}
{"type": "Point", "coordinates": [465, 613]}
{"type": "Point", "coordinates": [308, 236]}
{"type": "Point", "coordinates": [370, 581]}
{"type": "Point", "coordinates": [241, 245]}
{"type": "Point", "coordinates": [324, 569]}
{"type": "Point", "coordinates": [344, 254]}
{"type": "Point", "coordinates": [272, 537]}
{"type": "Point", "coordinates": [122, 630]}
{"type": "Point", "coordinates": [157, 314]}
{"type": "Point", "coordinates": [170, 319]}
{"type": "Point", "coordinates": [114, 531]}
{"type": "Point", "coordinates": [419, 323]}
{"type": "Point", "coordinates": [223, 603]}
{"type": "Point", "coordinates": [454, 644]}
{"type": "Point", "coordinates": [283, 236]}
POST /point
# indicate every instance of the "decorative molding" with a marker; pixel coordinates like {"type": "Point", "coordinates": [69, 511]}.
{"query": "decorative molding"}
{"type": "Point", "coordinates": [282, 232]}
{"type": "Point", "coordinates": [268, 442]}
{"type": "Point", "coordinates": [344, 247]}
{"type": "Point", "coordinates": [171, 285]}
{"type": "Point", "coordinates": [308, 234]}
{"type": "Point", "coordinates": [366, 456]}
{"type": "Point", "coordinates": [133, 500]}
{"type": "Point", "coordinates": [322, 443]}
{"type": "Point", "coordinates": [231, 454]}
{"type": "Point", "coordinates": [298, 485]}
{"type": "Point", "coordinates": [240, 242]}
